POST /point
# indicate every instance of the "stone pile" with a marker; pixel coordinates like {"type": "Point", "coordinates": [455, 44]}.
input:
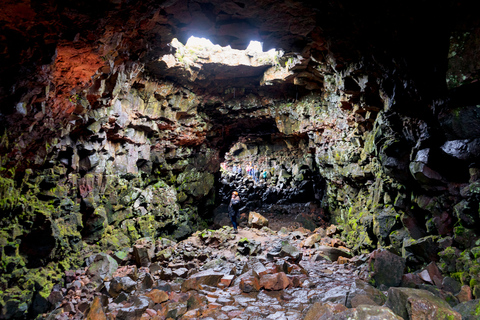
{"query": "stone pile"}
{"type": "Point", "coordinates": [256, 274]}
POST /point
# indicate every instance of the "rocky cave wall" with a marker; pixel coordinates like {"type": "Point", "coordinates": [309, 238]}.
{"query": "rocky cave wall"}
{"type": "Point", "coordinates": [99, 149]}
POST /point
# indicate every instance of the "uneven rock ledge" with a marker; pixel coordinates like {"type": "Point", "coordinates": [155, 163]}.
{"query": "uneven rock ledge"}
{"type": "Point", "coordinates": [256, 274]}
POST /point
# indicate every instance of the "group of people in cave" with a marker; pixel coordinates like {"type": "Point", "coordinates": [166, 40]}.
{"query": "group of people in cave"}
{"type": "Point", "coordinates": [251, 171]}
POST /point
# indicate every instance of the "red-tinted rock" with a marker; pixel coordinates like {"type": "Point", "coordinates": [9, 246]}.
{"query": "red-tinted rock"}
{"type": "Point", "coordinates": [277, 281]}
{"type": "Point", "coordinates": [465, 294]}
{"type": "Point", "coordinates": [208, 277]}
{"type": "Point", "coordinates": [96, 310]}
{"type": "Point", "coordinates": [411, 280]}
{"type": "Point", "coordinates": [249, 284]}
{"type": "Point", "coordinates": [227, 280]}
{"type": "Point", "coordinates": [157, 296]}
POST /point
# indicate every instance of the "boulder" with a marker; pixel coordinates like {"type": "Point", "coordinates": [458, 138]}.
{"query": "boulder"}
{"type": "Point", "coordinates": [324, 310]}
{"type": "Point", "coordinates": [363, 312]}
{"type": "Point", "coordinates": [101, 267]}
{"type": "Point", "coordinates": [207, 277]}
{"type": "Point", "coordinates": [310, 241]}
{"type": "Point", "coordinates": [469, 310]}
{"type": "Point", "coordinates": [248, 247]}
{"type": "Point", "coordinates": [387, 268]}
{"type": "Point", "coordinates": [363, 289]}
{"type": "Point", "coordinates": [465, 293]}
{"type": "Point", "coordinates": [258, 269]}
{"type": "Point", "coordinates": [451, 285]}
{"type": "Point", "coordinates": [135, 311]}
{"type": "Point", "coordinates": [249, 284]}
{"type": "Point", "coordinates": [144, 251]}
{"type": "Point", "coordinates": [256, 220]}
{"type": "Point", "coordinates": [276, 281]}
{"type": "Point", "coordinates": [175, 310]}
{"type": "Point", "coordinates": [420, 251]}
{"type": "Point", "coordinates": [119, 284]}
{"type": "Point", "coordinates": [146, 283]}
{"type": "Point", "coordinates": [284, 249]}
{"type": "Point", "coordinates": [96, 310]}
{"type": "Point", "coordinates": [413, 304]}
{"type": "Point", "coordinates": [337, 294]}
{"type": "Point", "coordinates": [157, 296]}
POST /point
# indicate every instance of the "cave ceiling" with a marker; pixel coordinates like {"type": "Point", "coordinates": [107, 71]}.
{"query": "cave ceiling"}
{"type": "Point", "coordinates": [55, 49]}
{"type": "Point", "coordinates": [387, 34]}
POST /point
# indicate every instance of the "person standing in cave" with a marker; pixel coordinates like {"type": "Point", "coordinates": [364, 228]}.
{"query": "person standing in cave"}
{"type": "Point", "coordinates": [264, 175]}
{"type": "Point", "coordinates": [256, 174]}
{"type": "Point", "coordinates": [233, 209]}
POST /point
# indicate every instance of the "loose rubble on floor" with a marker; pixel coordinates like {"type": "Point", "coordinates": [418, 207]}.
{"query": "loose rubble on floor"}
{"type": "Point", "coordinates": [256, 274]}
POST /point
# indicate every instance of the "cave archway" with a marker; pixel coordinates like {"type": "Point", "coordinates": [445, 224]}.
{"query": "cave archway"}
{"type": "Point", "coordinates": [291, 190]}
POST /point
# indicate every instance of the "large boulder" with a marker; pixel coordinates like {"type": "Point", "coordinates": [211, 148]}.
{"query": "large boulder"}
{"type": "Point", "coordinates": [420, 251]}
{"type": "Point", "coordinates": [361, 289]}
{"type": "Point", "coordinates": [256, 220]}
{"type": "Point", "coordinates": [413, 304]}
{"type": "Point", "coordinates": [387, 268]}
{"type": "Point", "coordinates": [363, 312]}
{"type": "Point", "coordinates": [157, 296]}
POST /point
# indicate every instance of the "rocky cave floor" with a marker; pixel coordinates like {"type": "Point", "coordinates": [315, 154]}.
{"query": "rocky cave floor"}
{"type": "Point", "coordinates": [258, 273]}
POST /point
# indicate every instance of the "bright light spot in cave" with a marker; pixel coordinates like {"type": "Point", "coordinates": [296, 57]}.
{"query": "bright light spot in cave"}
{"type": "Point", "coordinates": [198, 51]}
{"type": "Point", "coordinates": [198, 42]}
{"type": "Point", "coordinates": [255, 46]}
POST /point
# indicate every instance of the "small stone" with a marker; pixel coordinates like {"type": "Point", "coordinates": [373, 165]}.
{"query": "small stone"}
{"type": "Point", "coordinates": [343, 260]}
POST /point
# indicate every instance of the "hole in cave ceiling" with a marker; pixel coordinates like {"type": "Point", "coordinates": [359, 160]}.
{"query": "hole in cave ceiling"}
{"type": "Point", "coordinates": [196, 49]}
{"type": "Point", "coordinates": [203, 62]}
